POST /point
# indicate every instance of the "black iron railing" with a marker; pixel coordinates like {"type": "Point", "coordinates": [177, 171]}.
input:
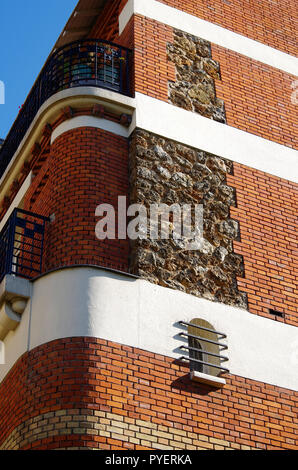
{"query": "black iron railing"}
{"type": "Point", "coordinates": [21, 244]}
{"type": "Point", "coordinates": [82, 63]}
{"type": "Point", "coordinates": [203, 351]}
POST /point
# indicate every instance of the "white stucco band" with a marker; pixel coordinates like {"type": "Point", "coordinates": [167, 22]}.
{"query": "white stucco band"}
{"type": "Point", "coordinates": [82, 302]}
{"type": "Point", "coordinates": [219, 139]}
{"type": "Point", "coordinates": [210, 32]}
{"type": "Point", "coordinates": [89, 121]}
{"type": "Point", "coordinates": [163, 119]}
{"type": "Point", "coordinates": [190, 128]}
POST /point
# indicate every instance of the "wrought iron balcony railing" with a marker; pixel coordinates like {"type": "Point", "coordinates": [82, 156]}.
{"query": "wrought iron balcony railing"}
{"type": "Point", "coordinates": [82, 63]}
{"type": "Point", "coordinates": [21, 245]}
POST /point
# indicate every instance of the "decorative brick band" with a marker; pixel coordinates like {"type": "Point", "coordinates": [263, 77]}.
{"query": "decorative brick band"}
{"type": "Point", "coordinates": [89, 121]}
{"type": "Point", "coordinates": [88, 392]}
{"type": "Point", "coordinates": [104, 431]}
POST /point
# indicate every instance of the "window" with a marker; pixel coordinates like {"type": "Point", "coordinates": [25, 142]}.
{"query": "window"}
{"type": "Point", "coordinates": [203, 351]}
{"type": "Point", "coordinates": [196, 353]}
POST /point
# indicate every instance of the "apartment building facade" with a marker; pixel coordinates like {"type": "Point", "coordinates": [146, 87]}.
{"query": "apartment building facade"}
{"type": "Point", "coordinates": [140, 344]}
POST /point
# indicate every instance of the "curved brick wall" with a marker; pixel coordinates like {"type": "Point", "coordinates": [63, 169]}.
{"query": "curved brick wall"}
{"type": "Point", "coordinates": [88, 167]}
{"type": "Point", "coordinates": [87, 392]}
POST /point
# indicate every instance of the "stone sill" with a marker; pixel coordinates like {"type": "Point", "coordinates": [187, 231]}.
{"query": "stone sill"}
{"type": "Point", "coordinates": [13, 286]}
{"type": "Point", "coordinates": [207, 379]}
{"type": "Point", "coordinates": [14, 294]}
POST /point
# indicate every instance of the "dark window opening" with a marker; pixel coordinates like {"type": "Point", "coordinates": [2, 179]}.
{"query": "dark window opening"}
{"type": "Point", "coordinates": [198, 355]}
{"type": "Point", "coordinates": [276, 313]}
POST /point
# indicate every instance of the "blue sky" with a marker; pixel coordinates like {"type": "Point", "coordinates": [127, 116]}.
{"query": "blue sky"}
{"type": "Point", "coordinates": [28, 32]}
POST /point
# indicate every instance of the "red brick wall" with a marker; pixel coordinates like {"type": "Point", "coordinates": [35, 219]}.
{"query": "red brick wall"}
{"type": "Point", "coordinates": [87, 167]}
{"type": "Point", "coordinates": [152, 69]}
{"type": "Point", "coordinates": [272, 23]}
{"type": "Point", "coordinates": [89, 392]}
{"type": "Point", "coordinates": [257, 97]}
{"type": "Point", "coordinates": [267, 208]}
{"type": "Point", "coordinates": [38, 196]}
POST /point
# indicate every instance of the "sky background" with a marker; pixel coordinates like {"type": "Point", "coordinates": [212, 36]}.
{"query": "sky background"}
{"type": "Point", "coordinates": [28, 32]}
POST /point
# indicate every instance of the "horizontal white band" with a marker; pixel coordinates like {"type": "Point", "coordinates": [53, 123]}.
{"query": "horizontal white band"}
{"type": "Point", "coordinates": [89, 121]}
{"type": "Point", "coordinates": [48, 112]}
{"type": "Point", "coordinates": [171, 122]}
{"type": "Point", "coordinates": [211, 136]}
{"type": "Point", "coordinates": [210, 32]}
{"type": "Point", "coordinates": [82, 302]}
{"type": "Point", "coordinates": [17, 200]}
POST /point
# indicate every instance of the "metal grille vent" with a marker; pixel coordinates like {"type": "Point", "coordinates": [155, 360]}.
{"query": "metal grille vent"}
{"type": "Point", "coordinates": [204, 347]}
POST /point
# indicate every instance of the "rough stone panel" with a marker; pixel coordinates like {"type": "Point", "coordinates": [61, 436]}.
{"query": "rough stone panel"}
{"type": "Point", "coordinates": [194, 88]}
{"type": "Point", "coordinates": [164, 171]}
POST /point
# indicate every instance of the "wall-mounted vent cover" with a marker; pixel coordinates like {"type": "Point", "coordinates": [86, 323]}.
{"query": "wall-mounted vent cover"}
{"type": "Point", "coordinates": [203, 350]}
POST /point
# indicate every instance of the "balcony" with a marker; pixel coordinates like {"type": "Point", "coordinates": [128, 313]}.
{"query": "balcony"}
{"type": "Point", "coordinates": [21, 245]}
{"type": "Point", "coordinates": [94, 63]}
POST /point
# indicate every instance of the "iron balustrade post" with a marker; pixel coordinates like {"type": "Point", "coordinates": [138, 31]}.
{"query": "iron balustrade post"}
{"type": "Point", "coordinates": [96, 62]}
{"type": "Point", "coordinates": [121, 60]}
{"type": "Point", "coordinates": [10, 243]}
